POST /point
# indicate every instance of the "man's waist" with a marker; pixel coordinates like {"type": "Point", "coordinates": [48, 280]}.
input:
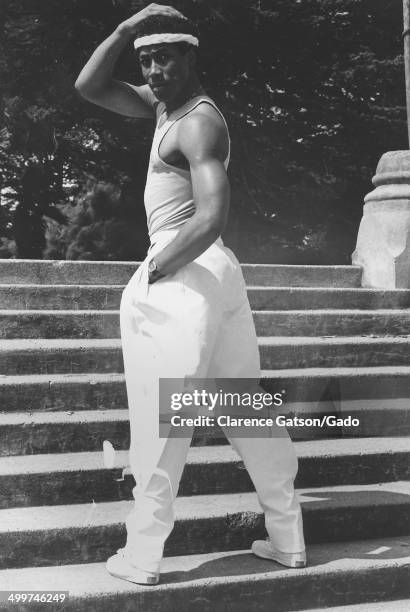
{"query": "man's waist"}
{"type": "Point", "coordinates": [160, 238]}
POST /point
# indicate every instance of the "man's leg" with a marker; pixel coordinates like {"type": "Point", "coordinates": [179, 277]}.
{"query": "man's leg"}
{"type": "Point", "coordinates": [169, 332]}
{"type": "Point", "coordinates": [152, 519]}
{"type": "Point", "coordinates": [272, 466]}
{"type": "Point", "coordinates": [271, 461]}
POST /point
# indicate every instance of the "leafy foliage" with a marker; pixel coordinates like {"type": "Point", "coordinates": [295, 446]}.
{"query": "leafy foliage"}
{"type": "Point", "coordinates": [101, 226]}
{"type": "Point", "coordinates": [313, 91]}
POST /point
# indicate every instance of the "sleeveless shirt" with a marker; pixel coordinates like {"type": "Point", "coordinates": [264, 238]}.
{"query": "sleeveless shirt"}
{"type": "Point", "coordinates": [168, 194]}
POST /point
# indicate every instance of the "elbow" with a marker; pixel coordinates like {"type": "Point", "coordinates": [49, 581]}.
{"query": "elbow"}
{"type": "Point", "coordinates": [80, 82]}
{"type": "Point", "coordinates": [213, 226]}
{"type": "Point", "coordinates": [80, 87]}
{"type": "Point", "coordinates": [216, 221]}
{"type": "Point", "coordinates": [212, 214]}
{"type": "Point", "coordinates": [84, 89]}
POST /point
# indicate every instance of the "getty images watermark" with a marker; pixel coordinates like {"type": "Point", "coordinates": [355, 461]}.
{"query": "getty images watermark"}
{"type": "Point", "coordinates": [241, 406]}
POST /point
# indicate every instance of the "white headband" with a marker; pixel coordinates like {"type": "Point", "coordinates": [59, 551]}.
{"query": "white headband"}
{"type": "Point", "coordinates": [155, 39]}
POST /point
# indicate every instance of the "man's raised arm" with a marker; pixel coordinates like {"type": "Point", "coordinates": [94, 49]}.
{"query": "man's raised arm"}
{"type": "Point", "coordinates": [96, 83]}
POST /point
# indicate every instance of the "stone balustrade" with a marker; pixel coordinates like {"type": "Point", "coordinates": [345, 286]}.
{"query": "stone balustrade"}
{"type": "Point", "coordinates": [383, 241]}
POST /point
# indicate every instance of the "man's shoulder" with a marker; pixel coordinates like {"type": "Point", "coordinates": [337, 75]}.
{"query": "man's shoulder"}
{"type": "Point", "coordinates": [204, 116]}
{"type": "Point", "coordinates": [203, 127]}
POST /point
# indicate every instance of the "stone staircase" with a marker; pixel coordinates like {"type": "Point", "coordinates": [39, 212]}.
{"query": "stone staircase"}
{"type": "Point", "coordinates": [334, 347]}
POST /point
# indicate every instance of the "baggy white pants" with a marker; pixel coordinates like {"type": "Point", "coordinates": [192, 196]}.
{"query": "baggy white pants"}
{"type": "Point", "coordinates": [196, 323]}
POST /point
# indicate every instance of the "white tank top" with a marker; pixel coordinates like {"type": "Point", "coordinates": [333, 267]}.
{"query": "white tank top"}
{"type": "Point", "coordinates": [168, 195]}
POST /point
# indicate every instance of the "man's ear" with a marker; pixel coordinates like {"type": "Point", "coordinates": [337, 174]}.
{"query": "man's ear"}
{"type": "Point", "coordinates": [192, 58]}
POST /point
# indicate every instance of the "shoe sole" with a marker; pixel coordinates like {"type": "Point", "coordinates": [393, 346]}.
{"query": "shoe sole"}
{"type": "Point", "coordinates": [294, 565]}
{"type": "Point", "coordinates": [149, 580]}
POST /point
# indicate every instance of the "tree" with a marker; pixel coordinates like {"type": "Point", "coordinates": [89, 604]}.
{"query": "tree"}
{"type": "Point", "coordinates": [102, 226]}
{"type": "Point", "coordinates": [313, 91]}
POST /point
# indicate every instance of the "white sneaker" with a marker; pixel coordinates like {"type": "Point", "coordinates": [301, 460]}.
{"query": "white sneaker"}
{"type": "Point", "coordinates": [119, 567]}
{"type": "Point", "coordinates": [264, 549]}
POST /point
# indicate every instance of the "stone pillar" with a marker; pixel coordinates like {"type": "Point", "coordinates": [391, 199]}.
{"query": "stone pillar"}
{"type": "Point", "coordinates": [383, 241]}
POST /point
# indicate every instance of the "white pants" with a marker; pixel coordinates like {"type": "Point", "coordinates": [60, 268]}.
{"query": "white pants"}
{"type": "Point", "coordinates": [196, 323]}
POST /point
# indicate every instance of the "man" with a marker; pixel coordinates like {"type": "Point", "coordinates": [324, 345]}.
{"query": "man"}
{"type": "Point", "coordinates": [185, 312]}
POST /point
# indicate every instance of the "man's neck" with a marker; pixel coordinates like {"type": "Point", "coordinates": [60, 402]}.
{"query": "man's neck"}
{"type": "Point", "coordinates": [192, 89]}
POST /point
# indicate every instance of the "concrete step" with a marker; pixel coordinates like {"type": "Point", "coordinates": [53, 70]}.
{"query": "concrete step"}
{"type": "Point", "coordinates": [100, 297]}
{"type": "Point", "coordinates": [338, 573]}
{"type": "Point", "coordinates": [28, 433]}
{"type": "Point", "coordinates": [106, 323]}
{"type": "Point", "coordinates": [80, 533]}
{"type": "Point", "coordinates": [56, 297]}
{"type": "Point", "coordinates": [59, 324]}
{"type": "Point", "coordinates": [25, 433]}
{"type": "Point", "coordinates": [345, 351]}
{"type": "Point", "coordinates": [24, 271]}
{"type": "Point", "coordinates": [59, 356]}
{"type": "Point", "coordinates": [64, 478]}
{"type": "Point", "coordinates": [64, 356]}
{"type": "Point", "coordinates": [52, 392]}
{"type": "Point", "coordinates": [343, 322]}
{"type": "Point", "coordinates": [401, 605]}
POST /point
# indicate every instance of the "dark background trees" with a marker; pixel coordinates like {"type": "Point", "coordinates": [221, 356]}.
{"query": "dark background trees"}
{"type": "Point", "coordinates": [313, 92]}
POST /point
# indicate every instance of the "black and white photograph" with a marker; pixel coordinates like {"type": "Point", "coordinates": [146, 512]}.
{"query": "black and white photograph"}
{"type": "Point", "coordinates": [205, 305]}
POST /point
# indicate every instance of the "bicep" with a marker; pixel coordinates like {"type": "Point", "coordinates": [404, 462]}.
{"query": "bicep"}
{"type": "Point", "coordinates": [126, 99]}
{"type": "Point", "coordinates": [201, 144]}
{"type": "Point", "coordinates": [210, 187]}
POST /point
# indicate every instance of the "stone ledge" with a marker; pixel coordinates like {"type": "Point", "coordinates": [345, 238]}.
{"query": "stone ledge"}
{"type": "Point", "coordinates": [338, 573]}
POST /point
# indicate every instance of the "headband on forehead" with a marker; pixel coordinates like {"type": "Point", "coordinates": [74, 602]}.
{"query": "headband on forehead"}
{"type": "Point", "coordinates": [156, 39]}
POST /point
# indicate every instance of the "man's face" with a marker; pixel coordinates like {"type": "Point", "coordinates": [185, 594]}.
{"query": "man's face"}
{"type": "Point", "coordinates": [165, 69]}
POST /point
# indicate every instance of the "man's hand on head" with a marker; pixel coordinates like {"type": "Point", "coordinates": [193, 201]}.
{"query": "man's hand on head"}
{"type": "Point", "coordinates": [131, 24]}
